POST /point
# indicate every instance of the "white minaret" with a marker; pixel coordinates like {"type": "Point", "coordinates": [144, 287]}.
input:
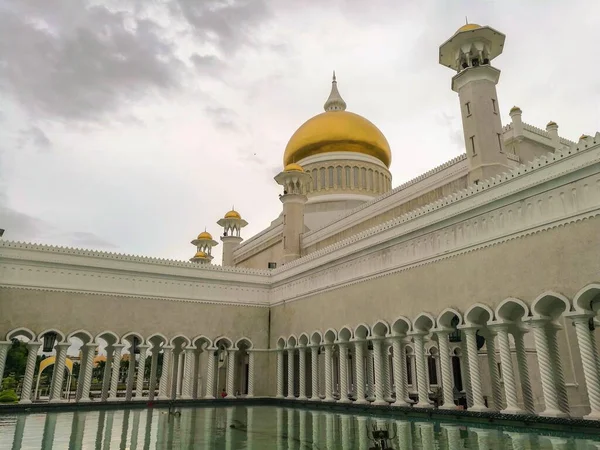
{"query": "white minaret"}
{"type": "Point", "coordinates": [232, 225]}
{"type": "Point", "coordinates": [204, 244]}
{"type": "Point", "coordinates": [294, 180]}
{"type": "Point", "coordinates": [470, 53]}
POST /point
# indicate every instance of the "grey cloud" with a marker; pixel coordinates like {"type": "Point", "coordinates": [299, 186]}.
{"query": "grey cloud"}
{"type": "Point", "coordinates": [70, 60]}
{"type": "Point", "coordinates": [222, 117]}
{"type": "Point", "coordinates": [36, 137]}
{"type": "Point", "coordinates": [226, 24]}
{"type": "Point", "coordinates": [209, 65]}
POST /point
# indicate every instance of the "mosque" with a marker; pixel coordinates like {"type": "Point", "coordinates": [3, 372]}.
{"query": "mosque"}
{"type": "Point", "coordinates": [474, 286]}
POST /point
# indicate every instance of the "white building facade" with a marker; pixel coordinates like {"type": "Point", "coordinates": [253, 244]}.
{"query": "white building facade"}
{"type": "Point", "coordinates": [476, 285]}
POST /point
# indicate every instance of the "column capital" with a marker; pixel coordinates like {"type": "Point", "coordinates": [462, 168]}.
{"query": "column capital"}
{"type": "Point", "coordinates": [190, 348]}
{"type": "Point", "coordinates": [377, 338]}
{"type": "Point", "coordinates": [396, 337]}
{"type": "Point", "coordinates": [34, 344]}
{"type": "Point", "coordinates": [469, 328]}
{"type": "Point", "coordinates": [580, 316]}
{"type": "Point", "coordinates": [169, 347]}
{"type": "Point", "coordinates": [418, 333]}
{"type": "Point", "coordinates": [290, 348]}
{"type": "Point", "coordinates": [5, 344]}
{"type": "Point", "coordinates": [116, 346]}
{"type": "Point", "coordinates": [343, 343]}
{"type": "Point", "coordinates": [63, 344]}
{"type": "Point", "coordinates": [90, 345]}
{"type": "Point", "coordinates": [442, 331]}
{"type": "Point", "coordinates": [539, 321]}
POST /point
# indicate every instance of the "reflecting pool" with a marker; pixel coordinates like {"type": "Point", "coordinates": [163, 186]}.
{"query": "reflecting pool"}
{"type": "Point", "coordinates": [258, 428]}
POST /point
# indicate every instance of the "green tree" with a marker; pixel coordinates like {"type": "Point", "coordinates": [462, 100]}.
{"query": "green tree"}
{"type": "Point", "coordinates": [16, 359]}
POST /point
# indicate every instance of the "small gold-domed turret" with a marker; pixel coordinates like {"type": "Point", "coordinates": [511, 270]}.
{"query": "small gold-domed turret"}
{"type": "Point", "coordinates": [233, 214]}
{"type": "Point", "coordinates": [551, 124]}
{"type": "Point", "coordinates": [468, 27]}
{"type": "Point", "coordinates": [200, 255]}
{"type": "Point", "coordinates": [205, 235]}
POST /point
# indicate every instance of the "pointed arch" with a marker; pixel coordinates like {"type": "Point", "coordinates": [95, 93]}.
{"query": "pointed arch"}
{"type": "Point", "coordinates": [132, 334]}
{"type": "Point", "coordinates": [380, 328]}
{"type": "Point", "coordinates": [424, 322]}
{"type": "Point", "coordinates": [199, 340]}
{"type": "Point", "coordinates": [444, 319]}
{"type": "Point", "coordinates": [21, 331]}
{"type": "Point", "coordinates": [512, 310]}
{"type": "Point", "coordinates": [183, 339]}
{"type": "Point", "coordinates": [83, 335]}
{"type": "Point", "coordinates": [550, 304]}
{"type": "Point", "coordinates": [303, 339]}
{"type": "Point", "coordinates": [330, 336]}
{"type": "Point", "coordinates": [479, 314]}
{"type": "Point", "coordinates": [244, 342]}
{"type": "Point", "coordinates": [401, 326]}
{"type": "Point", "coordinates": [281, 343]}
{"type": "Point", "coordinates": [362, 331]}
{"type": "Point", "coordinates": [109, 336]}
{"type": "Point", "coordinates": [226, 341]}
{"type": "Point", "coordinates": [59, 338]}
{"type": "Point", "coordinates": [345, 334]}
{"type": "Point", "coordinates": [316, 337]}
{"type": "Point", "coordinates": [157, 339]}
{"type": "Point", "coordinates": [588, 298]}
{"type": "Point", "coordinates": [291, 341]}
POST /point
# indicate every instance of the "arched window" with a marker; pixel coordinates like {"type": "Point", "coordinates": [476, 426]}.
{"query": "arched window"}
{"type": "Point", "coordinates": [355, 180]}
{"type": "Point", "coordinates": [339, 177]}
{"type": "Point", "coordinates": [314, 179]}
{"type": "Point", "coordinates": [363, 176]}
{"type": "Point", "coordinates": [348, 178]}
{"type": "Point", "coordinates": [330, 174]}
{"type": "Point", "coordinates": [322, 178]}
{"type": "Point", "coordinates": [371, 181]}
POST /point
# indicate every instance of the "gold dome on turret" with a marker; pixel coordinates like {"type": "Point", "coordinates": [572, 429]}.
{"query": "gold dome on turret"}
{"type": "Point", "coordinates": [233, 214]}
{"type": "Point", "coordinates": [293, 167]}
{"type": "Point", "coordinates": [200, 255]}
{"type": "Point", "coordinates": [468, 27]}
{"type": "Point", "coordinates": [205, 235]}
{"type": "Point", "coordinates": [337, 130]}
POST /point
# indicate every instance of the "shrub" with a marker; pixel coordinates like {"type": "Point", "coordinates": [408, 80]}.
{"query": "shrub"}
{"type": "Point", "coordinates": [8, 396]}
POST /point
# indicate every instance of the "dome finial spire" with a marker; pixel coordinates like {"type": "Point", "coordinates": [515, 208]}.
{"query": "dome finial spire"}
{"type": "Point", "coordinates": [335, 102]}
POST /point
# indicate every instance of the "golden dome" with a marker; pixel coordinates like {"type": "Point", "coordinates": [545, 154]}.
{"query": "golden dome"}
{"type": "Point", "coordinates": [293, 167]}
{"type": "Point", "coordinates": [205, 235]}
{"type": "Point", "coordinates": [233, 214]}
{"type": "Point", "coordinates": [337, 131]}
{"type": "Point", "coordinates": [200, 255]}
{"type": "Point", "coordinates": [551, 124]}
{"type": "Point", "coordinates": [515, 109]}
{"type": "Point", "coordinates": [468, 27]}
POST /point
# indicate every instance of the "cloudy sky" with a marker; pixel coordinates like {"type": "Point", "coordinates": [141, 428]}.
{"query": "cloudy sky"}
{"type": "Point", "coordinates": [130, 125]}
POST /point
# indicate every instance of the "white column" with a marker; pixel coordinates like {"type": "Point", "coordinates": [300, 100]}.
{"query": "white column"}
{"type": "Point", "coordinates": [231, 373]}
{"type": "Point", "coordinates": [370, 394]}
{"type": "Point", "coordinates": [446, 366]}
{"type": "Point", "coordinates": [474, 372]}
{"type": "Point", "coordinates": [153, 370]}
{"type": "Point", "coordinates": [90, 349]}
{"type": "Point", "coordinates": [343, 347]}
{"type": "Point", "coordinates": [493, 369]}
{"type": "Point", "coordinates": [314, 373]}
{"type": "Point", "coordinates": [328, 374]}
{"type": "Point", "coordinates": [130, 375]}
{"type": "Point", "coordinates": [116, 366]}
{"type": "Point", "coordinates": [302, 371]}
{"type": "Point", "coordinates": [280, 373]}
{"type": "Point", "coordinates": [4, 347]}
{"type": "Point", "coordinates": [250, 393]}
{"type": "Point", "coordinates": [210, 372]}
{"type": "Point", "coordinates": [163, 385]}
{"type": "Point", "coordinates": [188, 372]}
{"type": "Point", "coordinates": [399, 375]}
{"type": "Point", "coordinates": [546, 370]}
{"type": "Point", "coordinates": [421, 376]}
{"type": "Point", "coordinates": [290, 387]}
{"type": "Point", "coordinates": [508, 374]}
{"type": "Point", "coordinates": [359, 362]}
{"type": "Point", "coordinates": [385, 356]}
{"type": "Point", "coordinates": [106, 373]}
{"type": "Point", "coordinates": [81, 375]}
{"type": "Point", "coordinates": [32, 348]}
{"type": "Point", "coordinates": [559, 378]}
{"type": "Point", "coordinates": [379, 392]}
{"type": "Point", "coordinates": [59, 372]}
{"type": "Point", "coordinates": [588, 360]}
{"type": "Point", "coordinates": [523, 367]}
{"type": "Point", "coordinates": [139, 386]}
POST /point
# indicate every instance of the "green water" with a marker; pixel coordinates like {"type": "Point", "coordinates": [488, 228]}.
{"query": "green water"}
{"type": "Point", "coordinates": [258, 428]}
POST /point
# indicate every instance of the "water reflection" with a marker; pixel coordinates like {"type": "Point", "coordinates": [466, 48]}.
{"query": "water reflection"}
{"type": "Point", "coordinates": [257, 428]}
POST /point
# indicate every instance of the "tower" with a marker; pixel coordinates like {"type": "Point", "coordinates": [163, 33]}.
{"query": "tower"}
{"type": "Point", "coordinates": [470, 52]}
{"type": "Point", "coordinates": [204, 244]}
{"type": "Point", "coordinates": [294, 181]}
{"type": "Point", "coordinates": [232, 224]}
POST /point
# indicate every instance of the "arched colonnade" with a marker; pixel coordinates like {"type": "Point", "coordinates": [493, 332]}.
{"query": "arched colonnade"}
{"type": "Point", "coordinates": [440, 358]}
{"type": "Point", "coordinates": [189, 368]}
